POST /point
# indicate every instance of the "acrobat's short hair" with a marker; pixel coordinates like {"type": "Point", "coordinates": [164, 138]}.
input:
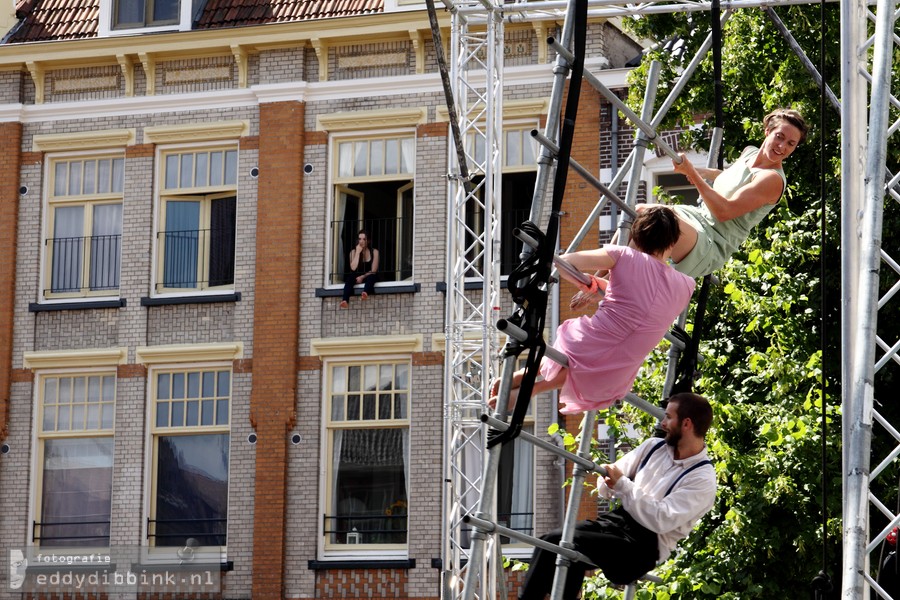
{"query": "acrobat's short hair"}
{"type": "Point", "coordinates": [786, 115]}
{"type": "Point", "coordinates": [694, 407]}
{"type": "Point", "coordinates": [655, 229]}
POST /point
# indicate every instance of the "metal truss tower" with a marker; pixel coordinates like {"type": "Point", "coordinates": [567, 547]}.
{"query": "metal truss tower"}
{"type": "Point", "coordinates": [869, 42]}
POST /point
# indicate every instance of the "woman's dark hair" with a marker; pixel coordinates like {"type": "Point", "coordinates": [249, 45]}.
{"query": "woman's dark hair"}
{"type": "Point", "coordinates": [694, 407]}
{"type": "Point", "coordinates": [655, 229]}
{"type": "Point", "coordinates": [365, 233]}
{"type": "Point", "coordinates": [786, 115]}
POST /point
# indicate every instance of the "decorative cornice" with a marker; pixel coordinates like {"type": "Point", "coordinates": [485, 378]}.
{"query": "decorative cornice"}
{"type": "Point", "coordinates": [196, 132]}
{"type": "Point", "coordinates": [369, 119]}
{"type": "Point", "coordinates": [86, 140]}
{"type": "Point", "coordinates": [180, 353]}
{"type": "Point", "coordinates": [61, 359]}
{"type": "Point", "coordinates": [365, 345]}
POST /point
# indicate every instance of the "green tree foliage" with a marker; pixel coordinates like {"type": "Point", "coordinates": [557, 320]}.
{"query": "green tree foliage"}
{"type": "Point", "coordinates": [763, 357]}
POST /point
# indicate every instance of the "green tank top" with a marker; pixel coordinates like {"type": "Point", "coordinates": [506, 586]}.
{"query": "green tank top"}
{"type": "Point", "coordinates": [721, 238]}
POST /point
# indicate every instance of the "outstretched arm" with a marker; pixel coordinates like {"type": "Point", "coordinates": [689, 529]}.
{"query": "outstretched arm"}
{"type": "Point", "coordinates": [591, 260]}
{"type": "Point", "coordinates": [764, 188]}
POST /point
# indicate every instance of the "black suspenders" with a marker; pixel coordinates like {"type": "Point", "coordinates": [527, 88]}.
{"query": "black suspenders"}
{"type": "Point", "coordinates": [685, 472]}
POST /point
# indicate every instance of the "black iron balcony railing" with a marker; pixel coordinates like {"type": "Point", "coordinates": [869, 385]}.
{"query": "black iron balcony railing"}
{"type": "Point", "coordinates": [360, 529]}
{"type": "Point", "coordinates": [177, 532]}
{"type": "Point", "coordinates": [71, 533]}
{"type": "Point", "coordinates": [196, 259]}
{"type": "Point", "coordinates": [391, 237]}
{"type": "Point", "coordinates": [69, 256]}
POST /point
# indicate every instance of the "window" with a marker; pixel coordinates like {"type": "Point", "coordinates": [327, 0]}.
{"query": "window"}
{"type": "Point", "coordinates": [191, 434]}
{"type": "Point", "coordinates": [677, 185]}
{"type": "Point", "coordinates": [374, 191]}
{"type": "Point", "coordinates": [198, 205]}
{"type": "Point", "coordinates": [83, 245]}
{"type": "Point", "coordinates": [132, 14]}
{"type": "Point", "coordinates": [75, 445]}
{"type": "Point", "coordinates": [519, 176]}
{"type": "Point", "coordinates": [368, 455]}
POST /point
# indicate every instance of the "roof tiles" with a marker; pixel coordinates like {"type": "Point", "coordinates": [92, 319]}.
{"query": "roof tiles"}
{"type": "Point", "coordinates": [53, 20]}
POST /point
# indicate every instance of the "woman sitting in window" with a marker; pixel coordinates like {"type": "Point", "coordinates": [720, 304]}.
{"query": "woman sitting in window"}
{"type": "Point", "coordinates": [363, 268]}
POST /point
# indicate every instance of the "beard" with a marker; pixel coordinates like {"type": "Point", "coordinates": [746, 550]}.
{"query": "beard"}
{"type": "Point", "coordinates": [673, 437]}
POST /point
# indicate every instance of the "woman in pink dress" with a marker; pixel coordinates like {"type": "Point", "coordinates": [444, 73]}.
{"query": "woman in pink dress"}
{"type": "Point", "coordinates": [643, 297]}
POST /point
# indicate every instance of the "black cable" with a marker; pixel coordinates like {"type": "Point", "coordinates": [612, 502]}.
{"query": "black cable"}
{"type": "Point", "coordinates": [821, 583]}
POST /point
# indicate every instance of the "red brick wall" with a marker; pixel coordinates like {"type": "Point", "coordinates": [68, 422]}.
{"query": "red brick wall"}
{"type": "Point", "coordinates": [10, 162]}
{"type": "Point", "coordinates": [275, 326]}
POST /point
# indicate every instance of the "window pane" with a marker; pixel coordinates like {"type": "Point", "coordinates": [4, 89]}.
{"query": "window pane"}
{"type": "Point", "coordinates": [384, 406]}
{"type": "Point", "coordinates": [78, 417]}
{"type": "Point", "coordinates": [202, 177]}
{"type": "Point", "coordinates": [177, 419]}
{"type": "Point", "coordinates": [209, 384]}
{"type": "Point", "coordinates": [104, 175]}
{"type": "Point", "coordinates": [93, 394]}
{"type": "Point", "coordinates": [163, 386]}
{"type": "Point", "coordinates": [339, 379]}
{"type": "Point", "coordinates": [401, 381]}
{"type": "Point", "coordinates": [392, 157]}
{"type": "Point", "coordinates": [106, 421]}
{"type": "Point", "coordinates": [90, 177]}
{"type": "Point", "coordinates": [231, 167]}
{"type": "Point", "coordinates": [513, 148]}
{"type": "Point", "coordinates": [400, 407]}
{"type": "Point", "coordinates": [376, 157]}
{"type": "Point", "coordinates": [177, 385]}
{"type": "Point", "coordinates": [370, 486]}
{"type": "Point", "coordinates": [353, 380]}
{"type": "Point", "coordinates": [337, 408]}
{"type": "Point", "coordinates": [207, 410]}
{"type": "Point", "coordinates": [353, 408]}
{"type": "Point", "coordinates": [162, 414]}
{"type": "Point", "coordinates": [75, 173]}
{"type": "Point", "coordinates": [181, 244]}
{"type": "Point", "coordinates": [109, 388]}
{"type": "Point", "coordinates": [515, 503]}
{"type": "Point", "coordinates": [408, 155]}
{"type": "Point", "coordinates": [51, 385]}
{"type": "Point", "coordinates": [67, 248]}
{"type": "Point", "coordinates": [60, 178]}
{"type": "Point", "coordinates": [93, 417]}
{"type": "Point", "coordinates": [171, 171]}
{"type": "Point", "coordinates": [359, 158]}
{"type": "Point", "coordinates": [118, 175]}
{"type": "Point", "coordinates": [106, 247]}
{"type": "Point", "coordinates": [345, 159]}
{"type": "Point", "coordinates": [529, 148]}
{"type": "Point", "coordinates": [165, 10]}
{"type": "Point", "coordinates": [186, 179]}
{"type": "Point", "coordinates": [186, 505]}
{"type": "Point", "coordinates": [222, 412]}
{"type": "Point", "coordinates": [49, 423]}
{"type": "Point", "coordinates": [64, 418]}
{"type": "Point", "coordinates": [224, 383]}
{"type": "Point", "coordinates": [65, 390]}
{"type": "Point", "coordinates": [371, 377]}
{"type": "Point", "coordinates": [192, 418]}
{"type": "Point", "coordinates": [193, 384]}
{"type": "Point", "coordinates": [369, 407]}
{"type": "Point", "coordinates": [76, 491]}
{"type": "Point", "coordinates": [222, 223]}
{"type": "Point", "coordinates": [216, 164]}
{"type": "Point", "coordinates": [129, 12]}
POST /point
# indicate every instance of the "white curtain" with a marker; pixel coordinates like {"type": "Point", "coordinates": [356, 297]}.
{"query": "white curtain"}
{"type": "Point", "coordinates": [523, 477]}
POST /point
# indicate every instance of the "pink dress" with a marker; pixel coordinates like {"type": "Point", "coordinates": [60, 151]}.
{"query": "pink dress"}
{"type": "Point", "coordinates": [605, 350]}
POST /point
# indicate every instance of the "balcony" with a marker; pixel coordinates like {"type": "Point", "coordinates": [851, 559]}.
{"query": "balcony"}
{"type": "Point", "coordinates": [83, 266]}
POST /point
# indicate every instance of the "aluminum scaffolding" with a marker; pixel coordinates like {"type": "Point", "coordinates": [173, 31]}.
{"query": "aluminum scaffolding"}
{"type": "Point", "coordinates": [472, 341]}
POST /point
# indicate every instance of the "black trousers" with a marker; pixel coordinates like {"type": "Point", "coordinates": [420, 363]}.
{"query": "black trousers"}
{"type": "Point", "coordinates": [623, 548]}
{"type": "Point", "coordinates": [350, 281]}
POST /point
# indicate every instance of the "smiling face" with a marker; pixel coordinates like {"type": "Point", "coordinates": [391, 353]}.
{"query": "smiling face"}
{"type": "Point", "coordinates": [781, 141]}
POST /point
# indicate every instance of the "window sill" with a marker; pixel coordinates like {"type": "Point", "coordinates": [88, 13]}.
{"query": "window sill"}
{"type": "Point", "coordinates": [210, 299]}
{"type": "Point", "coordinates": [36, 307]}
{"type": "Point", "coordinates": [380, 290]}
{"type": "Point", "coordinates": [441, 286]}
{"type": "Point", "coordinates": [322, 565]}
{"type": "Point", "coordinates": [176, 565]}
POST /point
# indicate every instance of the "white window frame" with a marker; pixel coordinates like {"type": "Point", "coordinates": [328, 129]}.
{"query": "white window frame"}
{"type": "Point", "coordinates": [205, 195]}
{"type": "Point", "coordinates": [336, 182]}
{"type": "Point", "coordinates": [36, 494]}
{"type": "Point", "coordinates": [106, 29]}
{"type": "Point", "coordinates": [88, 201]}
{"type": "Point", "coordinates": [327, 551]}
{"type": "Point", "coordinates": [167, 554]}
{"type": "Point", "coordinates": [662, 165]}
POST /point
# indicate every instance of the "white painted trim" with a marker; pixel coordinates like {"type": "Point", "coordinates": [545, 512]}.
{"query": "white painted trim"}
{"type": "Point", "coordinates": [294, 91]}
{"type": "Point", "coordinates": [366, 347]}
{"type": "Point", "coordinates": [181, 353]}
{"type": "Point", "coordinates": [59, 359]}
